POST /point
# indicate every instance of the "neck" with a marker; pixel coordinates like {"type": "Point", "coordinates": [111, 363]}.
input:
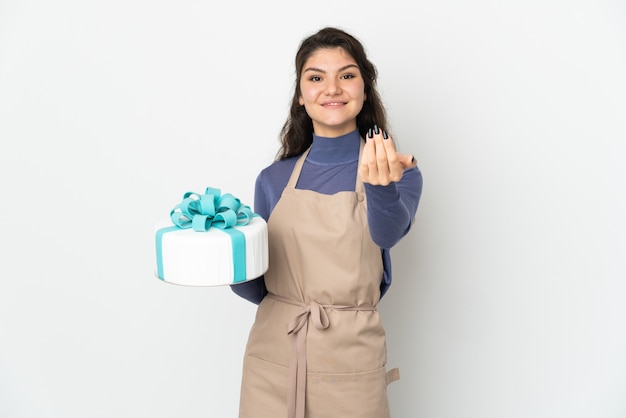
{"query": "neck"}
{"type": "Point", "coordinates": [337, 150]}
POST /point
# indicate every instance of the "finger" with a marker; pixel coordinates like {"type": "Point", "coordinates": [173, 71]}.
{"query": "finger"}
{"type": "Point", "coordinates": [407, 160]}
{"type": "Point", "coordinates": [366, 156]}
{"type": "Point", "coordinates": [390, 145]}
{"type": "Point", "coordinates": [390, 151]}
{"type": "Point", "coordinates": [397, 162]}
{"type": "Point", "coordinates": [382, 159]}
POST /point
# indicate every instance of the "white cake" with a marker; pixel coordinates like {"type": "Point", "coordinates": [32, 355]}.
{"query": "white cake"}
{"type": "Point", "coordinates": [215, 257]}
{"type": "Point", "coordinates": [191, 258]}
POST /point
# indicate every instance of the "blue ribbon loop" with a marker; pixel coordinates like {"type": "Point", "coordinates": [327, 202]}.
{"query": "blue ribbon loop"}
{"type": "Point", "coordinates": [200, 212]}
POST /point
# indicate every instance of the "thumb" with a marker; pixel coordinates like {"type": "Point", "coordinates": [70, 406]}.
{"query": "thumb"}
{"type": "Point", "coordinates": [407, 160]}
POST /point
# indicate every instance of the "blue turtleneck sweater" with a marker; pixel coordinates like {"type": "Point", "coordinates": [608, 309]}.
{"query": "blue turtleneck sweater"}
{"type": "Point", "coordinates": [331, 167]}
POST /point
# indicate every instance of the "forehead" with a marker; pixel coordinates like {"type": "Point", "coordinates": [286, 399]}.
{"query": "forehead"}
{"type": "Point", "coordinates": [329, 58]}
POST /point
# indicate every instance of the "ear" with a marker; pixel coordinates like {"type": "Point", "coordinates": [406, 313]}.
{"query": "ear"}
{"type": "Point", "coordinates": [300, 101]}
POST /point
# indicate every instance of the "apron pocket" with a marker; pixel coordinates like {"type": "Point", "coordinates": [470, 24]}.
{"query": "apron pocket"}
{"type": "Point", "coordinates": [355, 395]}
{"type": "Point", "coordinates": [263, 389]}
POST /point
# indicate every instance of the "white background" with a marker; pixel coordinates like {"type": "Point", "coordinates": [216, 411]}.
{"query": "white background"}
{"type": "Point", "coordinates": [508, 298]}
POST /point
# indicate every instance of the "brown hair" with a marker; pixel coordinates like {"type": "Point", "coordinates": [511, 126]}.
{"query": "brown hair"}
{"type": "Point", "coordinates": [296, 134]}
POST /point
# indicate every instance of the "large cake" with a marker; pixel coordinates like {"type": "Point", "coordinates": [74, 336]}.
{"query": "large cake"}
{"type": "Point", "coordinates": [211, 239]}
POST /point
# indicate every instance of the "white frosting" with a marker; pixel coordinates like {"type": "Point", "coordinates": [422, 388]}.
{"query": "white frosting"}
{"type": "Point", "coordinates": [193, 258]}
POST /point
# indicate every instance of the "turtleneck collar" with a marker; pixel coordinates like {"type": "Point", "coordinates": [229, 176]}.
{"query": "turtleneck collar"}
{"type": "Point", "coordinates": [339, 150]}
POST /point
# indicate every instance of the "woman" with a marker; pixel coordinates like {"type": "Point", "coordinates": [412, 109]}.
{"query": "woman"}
{"type": "Point", "coordinates": [336, 199]}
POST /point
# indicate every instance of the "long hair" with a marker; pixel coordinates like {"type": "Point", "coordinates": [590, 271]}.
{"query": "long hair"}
{"type": "Point", "coordinates": [296, 134]}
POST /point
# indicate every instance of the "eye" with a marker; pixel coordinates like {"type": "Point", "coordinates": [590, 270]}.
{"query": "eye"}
{"type": "Point", "coordinates": [315, 78]}
{"type": "Point", "coordinates": [348, 76]}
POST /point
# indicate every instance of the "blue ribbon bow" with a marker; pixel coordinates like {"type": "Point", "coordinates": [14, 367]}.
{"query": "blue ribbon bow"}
{"type": "Point", "coordinates": [202, 211]}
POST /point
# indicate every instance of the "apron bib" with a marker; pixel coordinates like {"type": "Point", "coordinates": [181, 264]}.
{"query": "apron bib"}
{"type": "Point", "coordinates": [317, 346]}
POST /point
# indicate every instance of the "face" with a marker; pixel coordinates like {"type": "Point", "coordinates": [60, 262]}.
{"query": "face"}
{"type": "Point", "coordinates": [332, 91]}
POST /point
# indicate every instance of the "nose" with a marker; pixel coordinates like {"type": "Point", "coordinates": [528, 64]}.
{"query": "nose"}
{"type": "Point", "coordinates": [332, 87]}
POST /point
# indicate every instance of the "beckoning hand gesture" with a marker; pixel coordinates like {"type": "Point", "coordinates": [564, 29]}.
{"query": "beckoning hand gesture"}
{"type": "Point", "coordinates": [380, 164]}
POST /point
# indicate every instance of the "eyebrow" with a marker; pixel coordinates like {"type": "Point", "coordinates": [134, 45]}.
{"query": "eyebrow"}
{"type": "Point", "coordinates": [319, 70]}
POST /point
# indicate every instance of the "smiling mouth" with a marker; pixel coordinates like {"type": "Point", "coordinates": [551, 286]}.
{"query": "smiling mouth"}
{"type": "Point", "coordinates": [332, 104]}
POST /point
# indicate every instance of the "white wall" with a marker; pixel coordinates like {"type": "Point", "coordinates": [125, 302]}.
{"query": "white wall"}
{"type": "Point", "coordinates": [508, 294]}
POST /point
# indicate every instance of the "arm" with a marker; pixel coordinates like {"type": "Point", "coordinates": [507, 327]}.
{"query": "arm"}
{"type": "Point", "coordinates": [391, 209]}
{"type": "Point", "coordinates": [393, 186]}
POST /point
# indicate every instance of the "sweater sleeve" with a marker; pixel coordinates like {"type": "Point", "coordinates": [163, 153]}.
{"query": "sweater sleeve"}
{"type": "Point", "coordinates": [391, 209]}
{"type": "Point", "coordinates": [255, 290]}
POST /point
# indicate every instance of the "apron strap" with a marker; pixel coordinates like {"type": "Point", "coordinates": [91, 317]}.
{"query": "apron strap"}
{"type": "Point", "coordinates": [358, 187]}
{"type": "Point", "coordinates": [392, 375]}
{"type": "Point", "coordinates": [295, 174]}
{"type": "Point", "coordinates": [298, 328]}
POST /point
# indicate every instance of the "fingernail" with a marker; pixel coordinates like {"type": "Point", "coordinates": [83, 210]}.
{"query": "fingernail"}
{"type": "Point", "coordinates": [369, 133]}
{"type": "Point", "coordinates": [385, 136]}
{"type": "Point", "coordinates": [376, 130]}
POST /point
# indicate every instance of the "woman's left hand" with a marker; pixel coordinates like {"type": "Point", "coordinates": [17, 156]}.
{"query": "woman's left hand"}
{"type": "Point", "coordinates": [380, 163]}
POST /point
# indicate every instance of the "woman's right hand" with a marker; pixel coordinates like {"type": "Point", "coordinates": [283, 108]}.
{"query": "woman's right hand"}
{"type": "Point", "coordinates": [380, 163]}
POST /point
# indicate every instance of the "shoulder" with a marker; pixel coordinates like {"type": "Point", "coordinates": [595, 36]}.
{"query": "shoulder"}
{"type": "Point", "coordinates": [278, 172]}
{"type": "Point", "coordinates": [270, 184]}
{"type": "Point", "coordinates": [272, 179]}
